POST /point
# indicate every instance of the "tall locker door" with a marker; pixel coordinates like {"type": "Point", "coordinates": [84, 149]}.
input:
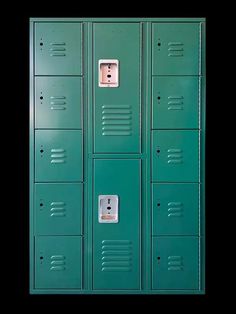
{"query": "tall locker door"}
{"type": "Point", "coordinates": [175, 48]}
{"type": "Point", "coordinates": [116, 258]}
{"type": "Point", "coordinates": [117, 109]}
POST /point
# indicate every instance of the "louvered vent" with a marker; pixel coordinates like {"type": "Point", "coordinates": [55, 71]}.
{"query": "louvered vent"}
{"type": "Point", "coordinates": [116, 120]}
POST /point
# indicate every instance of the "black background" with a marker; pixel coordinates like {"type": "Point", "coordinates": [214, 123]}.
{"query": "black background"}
{"type": "Point", "coordinates": [14, 244]}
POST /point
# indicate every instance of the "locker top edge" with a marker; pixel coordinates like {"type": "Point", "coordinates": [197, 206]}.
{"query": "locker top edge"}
{"type": "Point", "coordinates": [136, 19]}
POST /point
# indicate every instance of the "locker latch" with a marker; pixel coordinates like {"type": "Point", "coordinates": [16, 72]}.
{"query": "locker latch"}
{"type": "Point", "coordinates": [108, 208]}
{"type": "Point", "coordinates": [108, 70]}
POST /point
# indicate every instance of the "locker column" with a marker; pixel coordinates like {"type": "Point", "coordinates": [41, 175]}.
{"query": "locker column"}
{"type": "Point", "coordinates": [58, 188]}
{"type": "Point", "coordinates": [176, 72]}
{"type": "Point", "coordinates": [116, 156]}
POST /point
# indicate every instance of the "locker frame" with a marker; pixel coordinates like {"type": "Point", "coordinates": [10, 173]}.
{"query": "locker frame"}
{"type": "Point", "coordinates": [146, 259]}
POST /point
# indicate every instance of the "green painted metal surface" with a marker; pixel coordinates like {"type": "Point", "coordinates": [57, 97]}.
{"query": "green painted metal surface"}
{"type": "Point", "coordinates": [58, 208]}
{"type": "Point", "coordinates": [175, 263]}
{"type": "Point", "coordinates": [176, 49]}
{"type": "Point", "coordinates": [175, 209]}
{"type": "Point", "coordinates": [58, 49]}
{"type": "Point", "coordinates": [116, 260]}
{"type": "Point", "coordinates": [175, 156]}
{"type": "Point", "coordinates": [58, 155]}
{"type": "Point", "coordinates": [175, 102]}
{"type": "Point", "coordinates": [58, 102]}
{"type": "Point", "coordinates": [142, 142]}
{"type": "Point", "coordinates": [58, 262]}
{"type": "Point", "coordinates": [117, 110]}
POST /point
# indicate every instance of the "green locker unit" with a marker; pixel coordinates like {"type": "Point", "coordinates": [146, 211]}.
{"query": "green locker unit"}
{"type": "Point", "coordinates": [116, 260]}
{"type": "Point", "coordinates": [117, 156]}
{"type": "Point", "coordinates": [58, 208]}
{"type": "Point", "coordinates": [58, 102]}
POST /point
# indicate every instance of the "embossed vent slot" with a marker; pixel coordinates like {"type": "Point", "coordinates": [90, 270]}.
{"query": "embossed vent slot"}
{"type": "Point", "coordinates": [58, 155]}
{"type": "Point", "coordinates": [58, 102]}
{"type": "Point", "coordinates": [57, 263]}
{"type": "Point", "coordinates": [175, 103]}
{"type": "Point", "coordinates": [58, 209]}
{"type": "Point", "coordinates": [175, 209]}
{"type": "Point", "coordinates": [116, 120]}
{"type": "Point", "coordinates": [174, 156]}
{"type": "Point", "coordinates": [116, 255]}
{"type": "Point", "coordinates": [175, 263]}
{"type": "Point", "coordinates": [57, 49]}
{"type": "Point", "coordinates": [175, 49]}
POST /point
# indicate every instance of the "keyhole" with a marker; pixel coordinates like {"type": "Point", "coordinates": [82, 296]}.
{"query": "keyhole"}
{"type": "Point", "coordinates": [41, 257]}
{"type": "Point", "coordinates": [158, 257]}
{"type": "Point", "coordinates": [158, 151]}
{"type": "Point", "coordinates": [109, 75]}
{"type": "Point", "coordinates": [41, 97]}
{"type": "Point", "coordinates": [41, 44]}
{"type": "Point", "coordinates": [41, 150]}
{"type": "Point", "coordinates": [158, 97]}
{"type": "Point", "coordinates": [41, 204]}
{"type": "Point", "coordinates": [158, 204]}
{"type": "Point", "coordinates": [159, 44]}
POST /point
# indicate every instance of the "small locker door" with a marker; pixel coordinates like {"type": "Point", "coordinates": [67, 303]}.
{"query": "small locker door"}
{"type": "Point", "coordinates": [58, 262]}
{"type": "Point", "coordinates": [175, 49]}
{"type": "Point", "coordinates": [175, 209]}
{"type": "Point", "coordinates": [175, 156]}
{"type": "Point", "coordinates": [58, 48]}
{"type": "Point", "coordinates": [116, 255]}
{"type": "Point", "coordinates": [58, 208]}
{"type": "Point", "coordinates": [117, 109]}
{"type": "Point", "coordinates": [58, 155]}
{"type": "Point", "coordinates": [175, 102]}
{"type": "Point", "coordinates": [58, 102]}
{"type": "Point", "coordinates": [175, 263]}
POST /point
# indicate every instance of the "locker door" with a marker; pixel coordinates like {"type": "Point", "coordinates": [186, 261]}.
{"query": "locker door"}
{"type": "Point", "coordinates": [175, 102]}
{"type": "Point", "coordinates": [175, 209]}
{"type": "Point", "coordinates": [58, 262]}
{"type": "Point", "coordinates": [175, 263]}
{"type": "Point", "coordinates": [175, 156]}
{"type": "Point", "coordinates": [58, 209]}
{"type": "Point", "coordinates": [58, 49]}
{"type": "Point", "coordinates": [116, 245]}
{"type": "Point", "coordinates": [175, 48]}
{"type": "Point", "coordinates": [58, 155]}
{"type": "Point", "coordinates": [117, 109]}
{"type": "Point", "coordinates": [58, 102]}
